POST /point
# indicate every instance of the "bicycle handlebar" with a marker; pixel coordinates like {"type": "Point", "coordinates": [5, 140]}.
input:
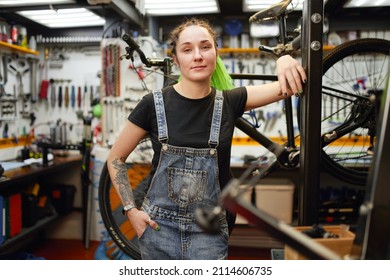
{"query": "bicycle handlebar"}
{"type": "Point", "coordinates": [282, 49]}
{"type": "Point", "coordinates": [134, 47]}
{"type": "Point", "coordinates": [149, 62]}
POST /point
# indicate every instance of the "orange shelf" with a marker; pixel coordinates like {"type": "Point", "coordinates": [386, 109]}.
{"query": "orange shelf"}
{"type": "Point", "coordinates": [344, 141]}
{"type": "Point", "coordinates": [256, 50]}
{"type": "Point", "coordinates": [11, 142]}
{"type": "Point", "coordinates": [18, 48]}
{"type": "Point", "coordinates": [238, 50]}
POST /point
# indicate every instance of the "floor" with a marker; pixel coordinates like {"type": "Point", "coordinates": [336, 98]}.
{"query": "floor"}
{"type": "Point", "coordinates": [65, 249]}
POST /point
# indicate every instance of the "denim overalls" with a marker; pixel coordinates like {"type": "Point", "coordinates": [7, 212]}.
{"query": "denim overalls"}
{"type": "Point", "coordinates": [185, 179]}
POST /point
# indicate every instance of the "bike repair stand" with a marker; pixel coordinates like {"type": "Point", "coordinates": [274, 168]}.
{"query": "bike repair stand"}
{"type": "Point", "coordinates": [85, 149]}
{"type": "Point", "coordinates": [312, 48]}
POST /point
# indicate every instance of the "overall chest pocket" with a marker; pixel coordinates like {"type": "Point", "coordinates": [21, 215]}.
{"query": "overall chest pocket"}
{"type": "Point", "coordinates": [186, 186]}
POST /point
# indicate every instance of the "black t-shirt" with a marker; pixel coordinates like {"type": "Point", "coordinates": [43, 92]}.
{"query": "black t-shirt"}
{"type": "Point", "coordinates": [189, 122]}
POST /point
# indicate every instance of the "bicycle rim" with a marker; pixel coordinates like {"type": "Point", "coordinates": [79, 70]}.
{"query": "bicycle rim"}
{"type": "Point", "coordinates": [118, 226]}
{"type": "Point", "coordinates": [353, 73]}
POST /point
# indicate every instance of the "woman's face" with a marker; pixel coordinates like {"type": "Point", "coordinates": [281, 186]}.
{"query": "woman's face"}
{"type": "Point", "coordinates": [196, 54]}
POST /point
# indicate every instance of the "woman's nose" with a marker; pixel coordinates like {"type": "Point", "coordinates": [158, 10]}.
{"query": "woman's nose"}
{"type": "Point", "coordinates": [197, 54]}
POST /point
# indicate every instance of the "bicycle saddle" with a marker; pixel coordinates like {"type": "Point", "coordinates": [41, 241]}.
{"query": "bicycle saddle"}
{"type": "Point", "coordinates": [271, 12]}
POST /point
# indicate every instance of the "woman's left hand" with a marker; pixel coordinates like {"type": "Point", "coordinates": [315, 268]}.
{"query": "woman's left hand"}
{"type": "Point", "coordinates": [291, 75]}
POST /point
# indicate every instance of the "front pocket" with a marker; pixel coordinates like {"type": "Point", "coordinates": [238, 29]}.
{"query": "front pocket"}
{"type": "Point", "coordinates": [186, 186]}
{"type": "Point", "coordinates": [144, 232]}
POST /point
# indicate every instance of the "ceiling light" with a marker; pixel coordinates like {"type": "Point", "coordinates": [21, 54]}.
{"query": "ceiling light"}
{"type": "Point", "coordinates": [366, 3]}
{"type": "Point", "coordinates": [77, 17]}
{"type": "Point", "coordinates": [179, 7]}
{"type": "Point", "coordinates": [15, 3]}
{"type": "Point", "coordinates": [258, 5]}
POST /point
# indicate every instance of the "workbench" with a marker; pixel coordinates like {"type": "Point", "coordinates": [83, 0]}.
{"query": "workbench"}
{"type": "Point", "coordinates": [16, 180]}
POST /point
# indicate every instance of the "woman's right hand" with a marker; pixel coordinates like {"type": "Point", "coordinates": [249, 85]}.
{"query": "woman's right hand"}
{"type": "Point", "coordinates": [140, 220]}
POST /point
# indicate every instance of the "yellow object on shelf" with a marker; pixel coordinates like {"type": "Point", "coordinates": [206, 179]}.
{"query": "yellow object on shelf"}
{"type": "Point", "coordinates": [18, 48]}
{"type": "Point", "coordinates": [12, 142]}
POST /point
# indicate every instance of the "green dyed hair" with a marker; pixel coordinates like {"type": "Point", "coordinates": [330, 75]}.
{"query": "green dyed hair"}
{"type": "Point", "coordinates": [221, 79]}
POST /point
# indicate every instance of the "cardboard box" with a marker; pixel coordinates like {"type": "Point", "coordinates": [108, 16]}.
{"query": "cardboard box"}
{"type": "Point", "coordinates": [274, 196]}
{"type": "Point", "coordinates": [342, 246]}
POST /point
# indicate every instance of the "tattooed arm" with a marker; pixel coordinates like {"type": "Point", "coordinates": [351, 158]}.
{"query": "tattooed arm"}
{"type": "Point", "coordinates": [127, 140]}
{"type": "Point", "coordinates": [122, 182]}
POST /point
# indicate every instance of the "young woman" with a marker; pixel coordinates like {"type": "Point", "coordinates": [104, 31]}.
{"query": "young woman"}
{"type": "Point", "coordinates": [191, 126]}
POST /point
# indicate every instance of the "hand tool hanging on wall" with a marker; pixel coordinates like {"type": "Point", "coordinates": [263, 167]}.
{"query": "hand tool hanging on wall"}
{"type": "Point", "coordinates": [73, 97]}
{"type": "Point", "coordinates": [33, 64]}
{"type": "Point", "coordinates": [19, 68]}
{"type": "Point", "coordinates": [91, 95]}
{"type": "Point", "coordinates": [66, 98]}
{"type": "Point", "coordinates": [252, 71]}
{"type": "Point", "coordinates": [85, 99]}
{"type": "Point", "coordinates": [79, 97]}
{"type": "Point", "coordinates": [4, 61]}
{"type": "Point", "coordinates": [60, 96]}
{"type": "Point", "coordinates": [2, 90]}
{"type": "Point", "coordinates": [52, 93]}
{"type": "Point", "coordinates": [263, 63]}
{"type": "Point", "coordinates": [111, 69]}
{"type": "Point", "coordinates": [5, 130]}
{"type": "Point", "coordinates": [117, 70]}
{"type": "Point", "coordinates": [105, 72]}
{"type": "Point", "coordinates": [19, 76]}
{"type": "Point", "coordinates": [44, 81]}
{"type": "Point", "coordinates": [241, 68]}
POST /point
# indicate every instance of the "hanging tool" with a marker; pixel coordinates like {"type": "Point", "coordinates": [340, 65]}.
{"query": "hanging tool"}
{"type": "Point", "coordinates": [251, 82]}
{"type": "Point", "coordinates": [33, 63]}
{"type": "Point", "coordinates": [2, 90]}
{"type": "Point", "coordinates": [44, 81]}
{"type": "Point", "coordinates": [52, 93]}
{"type": "Point", "coordinates": [5, 69]}
{"type": "Point", "coordinates": [91, 95]}
{"type": "Point", "coordinates": [263, 63]}
{"type": "Point", "coordinates": [19, 70]}
{"type": "Point", "coordinates": [19, 75]}
{"type": "Point", "coordinates": [73, 97]}
{"type": "Point", "coordinates": [85, 95]}
{"type": "Point", "coordinates": [241, 67]}
{"type": "Point", "coordinates": [79, 97]}
{"type": "Point", "coordinates": [60, 96]}
{"type": "Point", "coordinates": [5, 131]}
{"type": "Point", "coordinates": [66, 96]}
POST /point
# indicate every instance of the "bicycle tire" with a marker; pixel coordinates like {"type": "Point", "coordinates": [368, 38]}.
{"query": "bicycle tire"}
{"type": "Point", "coordinates": [349, 158]}
{"type": "Point", "coordinates": [118, 226]}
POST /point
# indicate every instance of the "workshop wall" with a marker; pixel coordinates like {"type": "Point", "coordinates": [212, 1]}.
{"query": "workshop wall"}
{"type": "Point", "coordinates": [68, 70]}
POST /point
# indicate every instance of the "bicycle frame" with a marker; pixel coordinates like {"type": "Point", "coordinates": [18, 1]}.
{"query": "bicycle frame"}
{"type": "Point", "coordinates": [289, 156]}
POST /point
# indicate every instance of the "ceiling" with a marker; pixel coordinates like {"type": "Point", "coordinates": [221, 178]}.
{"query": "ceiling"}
{"type": "Point", "coordinates": [125, 10]}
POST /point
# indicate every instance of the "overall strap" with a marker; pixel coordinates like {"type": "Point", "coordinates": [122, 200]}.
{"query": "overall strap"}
{"type": "Point", "coordinates": [216, 121]}
{"type": "Point", "coordinates": [160, 115]}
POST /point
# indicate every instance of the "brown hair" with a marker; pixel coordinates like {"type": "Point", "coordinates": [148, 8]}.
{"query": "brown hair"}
{"type": "Point", "coordinates": [175, 33]}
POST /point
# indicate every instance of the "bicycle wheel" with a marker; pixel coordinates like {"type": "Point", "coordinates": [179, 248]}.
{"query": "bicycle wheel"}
{"type": "Point", "coordinates": [118, 226]}
{"type": "Point", "coordinates": [354, 76]}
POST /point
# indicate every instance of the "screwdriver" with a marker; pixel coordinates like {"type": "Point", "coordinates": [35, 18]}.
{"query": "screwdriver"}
{"type": "Point", "coordinates": [73, 97]}
{"type": "Point", "coordinates": [66, 96]}
{"type": "Point", "coordinates": [60, 96]}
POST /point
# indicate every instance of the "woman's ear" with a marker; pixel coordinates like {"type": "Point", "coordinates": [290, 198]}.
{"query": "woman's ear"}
{"type": "Point", "coordinates": [175, 61]}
